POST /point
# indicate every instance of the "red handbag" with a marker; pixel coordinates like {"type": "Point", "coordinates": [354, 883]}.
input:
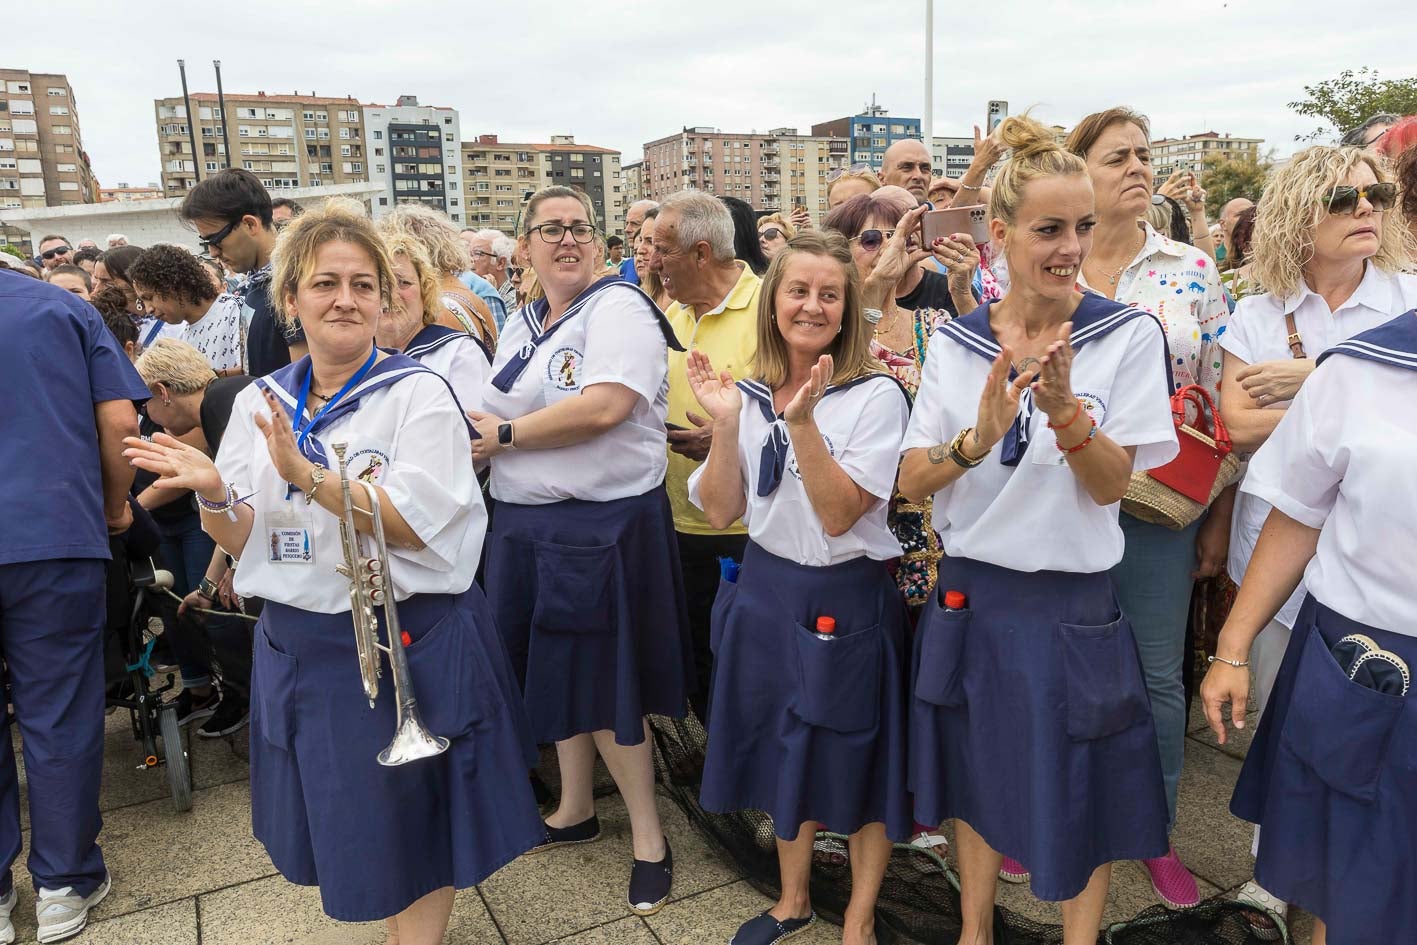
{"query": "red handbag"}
{"type": "Point", "coordinates": [1204, 447]}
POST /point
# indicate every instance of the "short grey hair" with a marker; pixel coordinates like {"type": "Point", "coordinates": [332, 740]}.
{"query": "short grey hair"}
{"type": "Point", "coordinates": [702, 219]}
{"type": "Point", "coordinates": [503, 246]}
{"type": "Point", "coordinates": [646, 203]}
{"type": "Point", "coordinates": [117, 239]}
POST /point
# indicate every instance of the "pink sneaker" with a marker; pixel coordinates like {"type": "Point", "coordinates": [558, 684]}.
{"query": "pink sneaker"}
{"type": "Point", "coordinates": [1013, 871]}
{"type": "Point", "coordinates": [1173, 883]}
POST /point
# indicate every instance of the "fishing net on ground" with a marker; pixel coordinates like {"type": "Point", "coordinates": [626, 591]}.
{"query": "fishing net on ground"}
{"type": "Point", "coordinates": [919, 900]}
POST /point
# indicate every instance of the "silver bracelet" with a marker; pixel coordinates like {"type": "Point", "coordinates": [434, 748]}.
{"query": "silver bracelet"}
{"type": "Point", "coordinates": [971, 186]}
{"type": "Point", "coordinates": [872, 315]}
{"type": "Point", "coordinates": [227, 506]}
{"type": "Point", "coordinates": [1238, 664]}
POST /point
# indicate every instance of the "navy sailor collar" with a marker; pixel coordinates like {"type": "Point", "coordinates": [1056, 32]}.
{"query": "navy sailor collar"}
{"type": "Point", "coordinates": [432, 337]}
{"type": "Point", "coordinates": [1393, 342]}
{"type": "Point", "coordinates": [772, 461]}
{"type": "Point", "coordinates": [533, 315]}
{"type": "Point", "coordinates": [1096, 317]}
{"type": "Point", "coordinates": [286, 382]}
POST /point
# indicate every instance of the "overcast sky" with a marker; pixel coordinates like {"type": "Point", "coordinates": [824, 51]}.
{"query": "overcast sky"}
{"type": "Point", "coordinates": [622, 73]}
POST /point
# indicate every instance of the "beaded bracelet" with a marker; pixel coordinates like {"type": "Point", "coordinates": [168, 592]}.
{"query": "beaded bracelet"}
{"type": "Point", "coordinates": [1069, 450]}
{"type": "Point", "coordinates": [227, 506]}
{"type": "Point", "coordinates": [1071, 421]}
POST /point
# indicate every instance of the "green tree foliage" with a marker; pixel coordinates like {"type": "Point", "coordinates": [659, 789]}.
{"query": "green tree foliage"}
{"type": "Point", "coordinates": [1225, 178]}
{"type": "Point", "coordinates": [1347, 101]}
{"type": "Point", "coordinates": [13, 250]}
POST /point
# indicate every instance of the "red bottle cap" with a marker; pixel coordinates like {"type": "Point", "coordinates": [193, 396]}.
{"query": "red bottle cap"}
{"type": "Point", "coordinates": [954, 600]}
{"type": "Point", "coordinates": [407, 640]}
{"type": "Point", "coordinates": [826, 625]}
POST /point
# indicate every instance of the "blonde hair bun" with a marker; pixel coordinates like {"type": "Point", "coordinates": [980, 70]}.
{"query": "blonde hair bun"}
{"type": "Point", "coordinates": [1027, 137]}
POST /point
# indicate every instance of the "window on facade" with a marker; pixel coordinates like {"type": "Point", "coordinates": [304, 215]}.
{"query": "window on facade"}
{"type": "Point", "coordinates": [58, 93]}
{"type": "Point", "coordinates": [61, 130]}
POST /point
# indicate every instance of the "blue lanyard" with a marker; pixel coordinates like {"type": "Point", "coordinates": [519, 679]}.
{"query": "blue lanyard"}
{"type": "Point", "coordinates": [303, 433]}
{"type": "Point", "coordinates": [152, 332]}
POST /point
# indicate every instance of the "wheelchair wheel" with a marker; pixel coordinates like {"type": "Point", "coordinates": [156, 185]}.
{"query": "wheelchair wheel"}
{"type": "Point", "coordinates": [179, 773]}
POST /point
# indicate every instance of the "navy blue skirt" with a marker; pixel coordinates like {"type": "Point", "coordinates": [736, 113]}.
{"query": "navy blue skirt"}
{"type": "Point", "coordinates": [1332, 778]}
{"type": "Point", "coordinates": [1030, 722]}
{"type": "Point", "coordinates": [590, 601]}
{"type": "Point", "coordinates": [801, 728]}
{"type": "Point", "coordinates": [376, 839]}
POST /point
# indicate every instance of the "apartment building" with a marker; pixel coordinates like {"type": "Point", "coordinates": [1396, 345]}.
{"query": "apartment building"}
{"type": "Point", "coordinates": [500, 176]}
{"type": "Point", "coordinates": [951, 157]}
{"type": "Point", "coordinates": [633, 176]}
{"type": "Point", "coordinates": [870, 133]}
{"type": "Point", "coordinates": [287, 141]}
{"type": "Point", "coordinates": [414, 153]}
{"type": "Point", "coordinates": [42, 157]}
{"type": "Point", "coordinates": [1169, 155]}
{"type": "Point", "coordinates": [124, 192]}
{"type": "Point", "coordinates": [780, 168]}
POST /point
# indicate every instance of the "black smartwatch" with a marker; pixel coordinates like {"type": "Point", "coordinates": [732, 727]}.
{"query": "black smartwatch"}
{"type": "Point", "coordinates": [504, 436]}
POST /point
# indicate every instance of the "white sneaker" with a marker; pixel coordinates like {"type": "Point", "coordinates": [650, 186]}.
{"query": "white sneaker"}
{"type": "Point", "coordinates": [61, 913]}
{"type": "Point", "coordinates": [7, 905]}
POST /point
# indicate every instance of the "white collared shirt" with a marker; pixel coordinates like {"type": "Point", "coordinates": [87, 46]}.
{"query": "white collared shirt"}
{"type": "Point", "coordinates": [1342, 460]}
{"type": "Point", "coordinates": [1037, 516]}
{"type": "Point", "coordinates": [1180, 285]}
{"type": "Point", "coordinates": [614, 338]}
{"type": "Point", "coordinates": [1258, 333]}
{"type": "Point", "coordinates": [461, 362]}
{"type": "Point", "coordinates": [862, 423]}
{"type": "Point", "coordinates": [410, 439]}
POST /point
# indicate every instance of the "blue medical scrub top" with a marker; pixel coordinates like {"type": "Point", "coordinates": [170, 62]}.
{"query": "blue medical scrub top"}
{"type": "Point", "coordinates": [627, 271]}
{"type": "Point", "coordinates": [57, 360]}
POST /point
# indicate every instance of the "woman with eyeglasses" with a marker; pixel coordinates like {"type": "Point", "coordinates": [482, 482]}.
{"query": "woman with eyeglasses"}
{"type": "Point", "coordinates": [1330, 253]}
{"type": "Point", "coordinates": [582, 564]}
{"type": "Point", "coordinates": [774, 230]}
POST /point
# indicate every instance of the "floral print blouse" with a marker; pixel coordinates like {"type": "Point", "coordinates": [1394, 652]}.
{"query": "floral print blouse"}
{"type": "Point", "coordinates": [1180, 285]}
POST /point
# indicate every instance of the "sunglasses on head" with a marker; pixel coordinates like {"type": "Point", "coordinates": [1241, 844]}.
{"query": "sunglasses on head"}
{"type": "Point", "coordinates": [770, 234]}
{"type": "Point", "coordinates": [858, 168]}
{"type": "Point", "coordinates": [56, 251]}
{"type": "Point", "coordinates": [1344, 198]}
{"type": "Point", "coordinates": [207, 242]}
{"type": "Point", "coordinates": [872, 240]}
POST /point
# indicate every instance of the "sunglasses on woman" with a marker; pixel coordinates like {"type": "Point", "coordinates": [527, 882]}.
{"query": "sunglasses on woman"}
{"type": "Point", "coordinates": [1344, 198]}
{"type": "Point", "coordinates": [859, 168]}
{"type": "Point", "coordinates": [872, 240]}
{"type": "Point", "coordinates": [770, 234]}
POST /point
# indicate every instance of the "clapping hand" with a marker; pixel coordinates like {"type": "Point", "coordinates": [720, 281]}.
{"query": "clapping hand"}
{"type": "Point", "coordinates": [280, 442]}
{"type": "Point", "coordinates": [998, 403]}
{"type": "Point", "coordinates": [177, 465]}
{"type": "Point", "coordinates": [715, 391]}
{"type": "Point", "coordinates": [1053, 390]}
{"type": "Point", "coordinates": [799, 408]}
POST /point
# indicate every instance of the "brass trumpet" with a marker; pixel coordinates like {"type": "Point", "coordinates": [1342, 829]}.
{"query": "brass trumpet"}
{"type": "Point", "coordinates": [370, 586]}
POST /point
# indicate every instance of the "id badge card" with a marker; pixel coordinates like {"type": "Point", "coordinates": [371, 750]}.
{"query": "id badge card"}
{"type": "Point", "coordinates": [290, 536]}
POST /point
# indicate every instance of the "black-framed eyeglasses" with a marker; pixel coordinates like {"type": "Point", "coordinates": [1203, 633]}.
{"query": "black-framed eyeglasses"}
{"type": "Point", "coordinates": [479, 254]}
{"type": "Point", "coordinates": [56, 251]}
{"type": "Point", "coordinates": [857, 168]}
{"type": "Point", "coordinates": [207, 242]}
{"type": "Point", "coordinates": [770, 234]}
{"type": "Point", "coordinates": [1344, 198]}
{"type": "Point", "coordinates": [872, 240]}
{"type": "Point", "coordinates": [554, 232]}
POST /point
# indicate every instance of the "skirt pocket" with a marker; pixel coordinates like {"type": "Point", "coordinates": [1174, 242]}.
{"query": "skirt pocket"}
{"type": "Point", "coordinates": [575, 588]}
{"type": "Point", "coordinates": [722, 601]}
{"type": "Point", "coordinates": [443, 674]}
{"type": "Point", "coordinates": [1105, 692]}
{"type": "Point", "coordinates": [939, 677]}
{"type": "Point", "coordinates": [273, 680]}
{"type": "Point", "coordinates": [1337, 728]}
{"type": "Point", "coordinates": [840, 679]}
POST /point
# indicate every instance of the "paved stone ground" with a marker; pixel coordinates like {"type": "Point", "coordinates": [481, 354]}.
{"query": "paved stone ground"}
{"type": "Point", "coordinates": [200, 879]}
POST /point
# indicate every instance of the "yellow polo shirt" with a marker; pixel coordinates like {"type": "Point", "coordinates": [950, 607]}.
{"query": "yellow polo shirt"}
{"type": "Point", "coordinates": [728, 335]}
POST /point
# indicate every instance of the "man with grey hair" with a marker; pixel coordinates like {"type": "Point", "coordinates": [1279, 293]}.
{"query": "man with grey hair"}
{"type": "Point", "coordinates": [634, 220]}
{"type": "Point", "coordinates": [715, 311]}
{"type": "Point", "coordinates": [492, 252]}
{"type": "Point", "coordinates": [116, 240]}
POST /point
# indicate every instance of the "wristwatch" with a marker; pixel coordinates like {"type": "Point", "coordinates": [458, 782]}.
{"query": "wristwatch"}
{"type": "Point", "coordinates": [207, 588]}
{"type": "Point", "coordinates": [505, 439]}
{"type": "Point", "coordinates": [317, 476]}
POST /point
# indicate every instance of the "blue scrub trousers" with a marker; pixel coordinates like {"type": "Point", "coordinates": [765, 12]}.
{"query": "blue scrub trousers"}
{"type": "Point", "coordinates": [52, 616]}
{"type": "Point", "coordinates": [1153, 582]}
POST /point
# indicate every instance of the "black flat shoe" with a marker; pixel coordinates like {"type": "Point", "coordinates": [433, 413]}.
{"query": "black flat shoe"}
{"type": "Point", "coordinates": [587, 831]}
{"type": "Point", "coordinates": [650, 883]}
{"type": "Point", "coordinates": [765, 930]}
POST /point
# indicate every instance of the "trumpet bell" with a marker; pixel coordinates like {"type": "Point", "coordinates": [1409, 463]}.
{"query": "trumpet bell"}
{"type": "Point", "coordinates": [411, 742]}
